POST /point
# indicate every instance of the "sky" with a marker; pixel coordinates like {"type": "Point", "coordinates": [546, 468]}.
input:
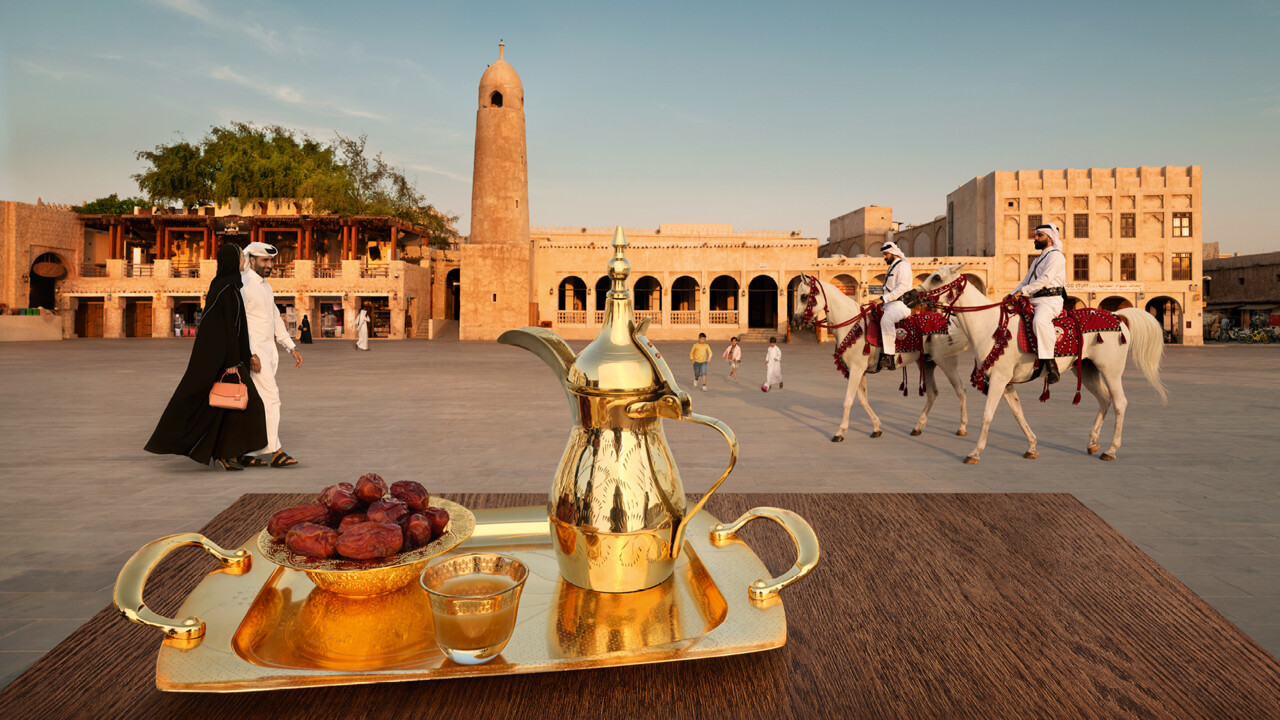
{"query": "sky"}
{"type": "Point", "coordinates": [763, 115]}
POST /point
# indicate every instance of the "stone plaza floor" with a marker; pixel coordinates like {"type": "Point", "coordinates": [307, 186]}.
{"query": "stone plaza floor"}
{"type": "Point", "coordinates": [1196, 485]}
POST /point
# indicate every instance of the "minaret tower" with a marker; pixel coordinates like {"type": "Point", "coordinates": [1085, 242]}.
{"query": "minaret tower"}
{"type": "Point", "coordinates": [500, 181]}
{"type": "Point", "coordinates": [497, 262]}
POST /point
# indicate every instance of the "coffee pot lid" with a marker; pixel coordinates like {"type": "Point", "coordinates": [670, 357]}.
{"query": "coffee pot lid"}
{"type": "Point", "coordinates": [615, 362]}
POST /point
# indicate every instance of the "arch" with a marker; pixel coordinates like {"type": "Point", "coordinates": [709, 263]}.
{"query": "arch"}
{"type": "Point", "coordinates": [977, 282]}
{"type": "Point", "coordinates": [45, 272]}
{"type": "Point", "coordinates": [452, 285]}
{"type": "Point", "coordinates": [647, 293]}
{"type": "Point", "coordinates": [1114, 303]}
{"type": "Point", "coordinates": [724, 293]}
{"type": "Point", "coordinates": [847, 283]}
{"type": "Point", "coordinates": [922, 246]}
{"type": "Point", "coordinates": [1168, 313]}
{"type": "Point", "coordinates": [762, 302]}
{"type": "Point", "coordinates": [792, 308]}
{"type": "Point", "coordinates": [572, 294]}
{"type": "Point", "coordinates": [684, 294]}
{"type": "Point", "coordinates": [1074, 303]}
{"type": "Point", "coordinates": [495, 100]}
{"type": "Point", "coordinates": [603, 286]}
{"type": "Point", "coordinates": [1103, 268]}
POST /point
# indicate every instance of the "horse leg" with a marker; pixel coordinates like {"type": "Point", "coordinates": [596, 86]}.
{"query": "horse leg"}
{"type": "Point", "coordinates": [1111, 377]}
{"type": "Point", "coordinates": [1015, 404]}
{"type": "Point", "coordinates": [995, 389]}
{"type": "Point", "coordinates": [949, 368]}
{"type": "Point", "coordinates": [1093, 382]}
{"type": "Point", "coordinates": [930, 394]}
{"type": "Point", "coordinates": [866, 405]}
{"type": "Point", "coordinates": [851, 390]}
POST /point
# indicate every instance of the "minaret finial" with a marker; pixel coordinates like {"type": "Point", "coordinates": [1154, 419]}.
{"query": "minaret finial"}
{"type": "Point", "coordinates": [501, 46]}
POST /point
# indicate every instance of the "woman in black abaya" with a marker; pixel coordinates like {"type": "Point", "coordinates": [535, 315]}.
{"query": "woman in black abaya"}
{"type": "Point", "coordinates": [304, 329]}
{"type": "Point", "coordinates": [189, 425]}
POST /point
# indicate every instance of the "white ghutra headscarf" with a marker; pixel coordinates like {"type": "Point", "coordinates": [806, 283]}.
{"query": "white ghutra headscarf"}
{"type": "Point", "coordinates": [891, 247]}
{"type": "Point", "coordinates": [1051, 230]}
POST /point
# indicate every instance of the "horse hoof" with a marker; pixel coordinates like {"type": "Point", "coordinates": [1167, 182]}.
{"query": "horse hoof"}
{"type": "Point", "coordinates": [837, 438]}
{"type": "Point", "coordinates": [962, 432]}
{"type": "Point", "coordinates": [1092, 449]}
{"type": "Point", "coordinates": [876, 434]}
{"type": "Point", "coordinates": [971, 461]}
{"type": "Point", "coordinates": [1107, 456]}
{"type": "Point", "coordinates": [1030, 455]}
{"type": "Point", "coordinates": [915, 432]}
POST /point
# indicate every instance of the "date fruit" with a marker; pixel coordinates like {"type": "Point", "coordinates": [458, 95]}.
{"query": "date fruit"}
{"type": "Point", "coordinates": [388, 510]}
{"type": "Point", "coordinates": [313, 540]}
{"type": "Point", "coordinates": [417, 531]}
{"type": "Point", "coordinates": [371, 487]}
{"type": "Point", "coordinates": [350, 520]}
{"type": "Point", "coordinates": [340, 498]}
{"type": "Point", "coordinates": [412, 493]}
{"type": "Point", "coordinates": [284, 520]}
{"type": "Point", "coordinates": [439, 518]}
{"type": "Point", "coordinates": [370, 540]}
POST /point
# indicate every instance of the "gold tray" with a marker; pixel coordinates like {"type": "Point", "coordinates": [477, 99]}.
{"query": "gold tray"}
{"type": "Point", "coordinates": [258, 626]}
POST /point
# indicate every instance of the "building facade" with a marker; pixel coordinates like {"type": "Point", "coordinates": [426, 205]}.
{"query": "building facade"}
{"type": "Point", "coordinates": [1244, 288]}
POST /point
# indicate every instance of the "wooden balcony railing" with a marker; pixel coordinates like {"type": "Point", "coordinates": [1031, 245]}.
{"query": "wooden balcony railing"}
{"type": "Point", "coordinates": [185, 270]}
{"type": "Point", "coordinates": [284, 271]}
{"type": "Point", "coordinates": [373, 271]}
{"type": "Point", "coordinates": [138, 270]}
{"type": "Point", "coordinates": [93, 269]}
{"type": "Point", "coordinates": [722, 317]}
{"type": "Point", "coordinates": [684, 317]}
{"type": "Point", "coordinates": [328, 270]}
{"type": "Point", "coordinates": [571, 317]}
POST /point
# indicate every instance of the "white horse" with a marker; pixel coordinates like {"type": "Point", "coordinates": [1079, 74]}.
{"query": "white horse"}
{"type": "Point", "coordinates": [1102, 362]}
{"type": "Point", "coordinates": [826, 304]}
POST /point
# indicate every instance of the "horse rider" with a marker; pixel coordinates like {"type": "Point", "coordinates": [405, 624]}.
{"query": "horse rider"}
{"type": "Point", "coordinates": [897, 281]}
{"type": "Point", "coordinates": [1046, 286]}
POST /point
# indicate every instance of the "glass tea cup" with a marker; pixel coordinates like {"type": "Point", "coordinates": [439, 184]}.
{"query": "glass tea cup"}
{"type": "Point", "coordinates": [474, 599]}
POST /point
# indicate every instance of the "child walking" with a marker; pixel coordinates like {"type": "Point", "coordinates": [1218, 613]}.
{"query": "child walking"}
{"type": "Point", "coordinates": [700, 355]}
{"type": "Point", "coordinates": [772, 366]}
{"type": "Point", "coordinates": [733, 354]}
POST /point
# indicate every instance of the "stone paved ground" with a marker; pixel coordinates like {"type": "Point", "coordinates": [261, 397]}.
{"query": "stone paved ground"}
{"type": "Point", "coordinates": [1196, 485]}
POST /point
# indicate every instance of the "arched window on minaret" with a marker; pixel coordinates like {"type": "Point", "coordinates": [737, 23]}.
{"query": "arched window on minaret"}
{"type": "Point", "coordinates": [495, 99]}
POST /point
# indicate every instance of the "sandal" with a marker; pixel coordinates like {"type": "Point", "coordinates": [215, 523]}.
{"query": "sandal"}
{"type": "Point", "coordinates": [282, 459]}
{"type": "Point", "coordinates": [230, 464]}
{"type": "Point", "coordinates": [251, 461]}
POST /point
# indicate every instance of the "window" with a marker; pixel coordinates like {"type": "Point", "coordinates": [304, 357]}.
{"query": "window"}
{"type": "Point", "coordinates": [495, 99]}
{"type": "Point", "coordinates": [1181, 225]}
{"type": "Point", "coordinates": [1129, 266]}
{"type": "Point", "coordinates": [1081, 225]}
{"type": "Point", "coordinates": [1128, 225]}
{"type": "Point", "coordinates": [1182, 266]}
{"type": "Point", "coordinates": [1081, 263]}
{"type": "Point", "coordinates": [1033, 221]}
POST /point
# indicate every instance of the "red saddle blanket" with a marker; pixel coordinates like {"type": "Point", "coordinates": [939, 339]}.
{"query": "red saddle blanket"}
{"type": "Point", "coordinates": [1069, 328]}
{"type": "Point", "coordinates": [911, 331]}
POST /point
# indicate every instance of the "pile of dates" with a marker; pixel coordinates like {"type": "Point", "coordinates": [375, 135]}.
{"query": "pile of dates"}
{"type": "Point", "coordinates": [364, 521]}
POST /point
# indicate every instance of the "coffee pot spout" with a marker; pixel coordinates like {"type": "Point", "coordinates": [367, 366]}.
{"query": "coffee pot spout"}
{"type": "Point", "coordinates": [548, 346]}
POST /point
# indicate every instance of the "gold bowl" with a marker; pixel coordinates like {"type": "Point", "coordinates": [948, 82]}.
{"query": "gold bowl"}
{"type": "Point", "coordinates": [362, 578]}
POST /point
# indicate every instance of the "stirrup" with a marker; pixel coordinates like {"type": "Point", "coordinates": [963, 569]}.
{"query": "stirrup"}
{"type": "Point", "coordinates": [1051, 367]}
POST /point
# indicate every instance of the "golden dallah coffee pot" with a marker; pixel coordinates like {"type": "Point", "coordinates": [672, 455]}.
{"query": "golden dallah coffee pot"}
{"type": "Point", "coordinates": [617, 507]}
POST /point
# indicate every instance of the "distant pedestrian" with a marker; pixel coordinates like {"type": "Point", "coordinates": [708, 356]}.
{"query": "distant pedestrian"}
{"type": "Point", "coordinates": [362, 328]}
{"type": "Point", "coordinates": [304, 331]}
{"type": "Point", "coordinates": [733, 354]}
{"type": "Point", "coordinates": [189, 425]}
{"type": "Point", "coordinates": [700, 355]}
{"type": "Point", "coordinates": [773, 366]}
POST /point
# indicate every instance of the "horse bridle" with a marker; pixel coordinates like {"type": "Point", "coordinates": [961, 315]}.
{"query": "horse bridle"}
{"type": "Point", "coordinates": [815, 287]}
{"type": "Point", "coordinates": [949, 293]}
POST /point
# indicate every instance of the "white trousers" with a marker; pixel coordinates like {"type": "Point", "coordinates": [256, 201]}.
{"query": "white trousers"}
{"type": "Point", "coordinates": [265, 382]}
{"type": "Point", "coordinates": [1047, 308]}
{"type": "Point", "coordinates": [893, 312]}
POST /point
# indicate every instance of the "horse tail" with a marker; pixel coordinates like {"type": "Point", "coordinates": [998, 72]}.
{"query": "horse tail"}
{"type": "Point", "coordinates": [1147, 345]}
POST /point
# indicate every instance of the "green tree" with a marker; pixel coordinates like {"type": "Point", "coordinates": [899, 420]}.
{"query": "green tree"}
{"type": "Point", "coordinates": [111, 205]}
{"type": "Point", "coordinates": [255, 163]}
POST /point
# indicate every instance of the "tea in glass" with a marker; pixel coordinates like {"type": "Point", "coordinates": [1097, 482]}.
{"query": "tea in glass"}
{"type": "Point", "coordinates": [474, 599]}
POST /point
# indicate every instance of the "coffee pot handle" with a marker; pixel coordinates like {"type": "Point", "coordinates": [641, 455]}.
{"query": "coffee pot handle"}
{"type": "Point", "coordinates": [678, 540]}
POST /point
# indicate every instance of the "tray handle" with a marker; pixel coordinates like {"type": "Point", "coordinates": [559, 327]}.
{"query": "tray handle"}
{"type": "Point", "coordinates": [801, 533]}
{"type": "Point", "coordinates": [127, 596]}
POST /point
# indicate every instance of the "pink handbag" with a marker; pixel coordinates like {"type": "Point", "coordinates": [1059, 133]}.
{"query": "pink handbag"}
{"type": "Point", "coordinates": [229, 395]}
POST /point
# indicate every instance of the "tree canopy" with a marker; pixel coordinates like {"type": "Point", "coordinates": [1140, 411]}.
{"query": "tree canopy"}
{"type": "Point", "coordinates": [111, 205]}
{"type": "Point", "coordinates": [257, 164]}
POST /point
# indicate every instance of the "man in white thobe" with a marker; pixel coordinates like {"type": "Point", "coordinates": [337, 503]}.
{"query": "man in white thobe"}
{"type": "Point", "coordinates": [897, 281]}
{"type": "Point", "coordinates": [1046, 285]}
{"type": "Point", "coordinates": [266, 328]}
